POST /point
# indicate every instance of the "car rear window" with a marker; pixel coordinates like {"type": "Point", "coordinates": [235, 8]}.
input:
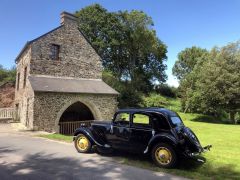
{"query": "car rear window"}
{"type": "Point", "coordinates": [176, 121]}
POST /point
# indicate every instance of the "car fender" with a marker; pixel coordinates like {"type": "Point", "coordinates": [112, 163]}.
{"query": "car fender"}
{"type": "Point", "coordinates": [88, 133]}
{"type": "Point", "coordinates": [164, 138]}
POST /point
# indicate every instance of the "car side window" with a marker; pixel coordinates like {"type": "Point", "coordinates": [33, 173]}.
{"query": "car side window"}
{"type": "Point", "coordinates": [122, 119]}
{"type": "Point", "coordinates": [141, 120]}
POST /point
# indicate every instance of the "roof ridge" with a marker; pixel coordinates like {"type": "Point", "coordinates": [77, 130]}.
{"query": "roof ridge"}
{"type": "Point", "coordinates": [30, 42]}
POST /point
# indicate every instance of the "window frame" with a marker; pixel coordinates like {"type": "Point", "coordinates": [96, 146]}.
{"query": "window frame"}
{"type": "Point", "coordinates": [18, 80]}
{"type": "Point", "coordinates": [55, 51]}
{"type": "Point", "coordinates": [122, 125]}
{"type": "Point", "coordinates": [143, 126]}
{"type": "Point", "coordinates": [25, 77]}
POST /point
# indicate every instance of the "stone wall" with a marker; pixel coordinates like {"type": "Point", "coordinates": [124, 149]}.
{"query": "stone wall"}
{"type": "Point", "coordinates": [48, 107]}
{"type": "Point", "coordinates": [24, 96]}
{"type": "Point", "coordinates": [77, 58]}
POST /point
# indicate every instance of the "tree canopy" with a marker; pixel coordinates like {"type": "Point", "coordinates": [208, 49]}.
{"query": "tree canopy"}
{"type": "Point", "coordinates": [213, 84]}
{"type": "Point", "coordinates": [127, 43]}
{"type": "Point", "coordinates": [187, 59]}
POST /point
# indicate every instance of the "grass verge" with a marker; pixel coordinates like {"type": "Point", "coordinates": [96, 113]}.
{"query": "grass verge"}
{"type": "Point", "coordinates": [58, 137]}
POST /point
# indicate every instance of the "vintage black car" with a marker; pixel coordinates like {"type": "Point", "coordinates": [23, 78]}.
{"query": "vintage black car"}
{"type": "Point", "coordinates": [157, 131]}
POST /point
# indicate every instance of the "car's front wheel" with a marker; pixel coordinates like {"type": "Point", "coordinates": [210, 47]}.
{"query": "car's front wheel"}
{"type": "Point", "coordinates": [164, 155]}
{"type": "Point", "coordinates": [82, 144]}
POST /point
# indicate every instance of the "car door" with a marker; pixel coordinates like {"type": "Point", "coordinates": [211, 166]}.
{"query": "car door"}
{"type": "Point", "coordinates": [141, 131]}
{"type": "Point", "coordinates": [120, 131]}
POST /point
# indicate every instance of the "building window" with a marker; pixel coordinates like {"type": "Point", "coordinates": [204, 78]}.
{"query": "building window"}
{"type": "Point", "coordinates": [18, 79]}
{"type": "Point", "coordinates": [27, 116]}
{"type": "Point", "coordinates": [55, 49]}
{"type": "Point", "coordinates": [25, 77]}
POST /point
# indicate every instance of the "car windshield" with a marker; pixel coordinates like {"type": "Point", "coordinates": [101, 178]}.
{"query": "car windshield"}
{"type": "Point", "coordinates": [176, 121]}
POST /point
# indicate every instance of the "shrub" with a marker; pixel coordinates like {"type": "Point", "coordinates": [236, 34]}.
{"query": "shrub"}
{"type": "Point", "coordinates": [154, 100]}
{"type": "Point", "coordinates": [166, 90]}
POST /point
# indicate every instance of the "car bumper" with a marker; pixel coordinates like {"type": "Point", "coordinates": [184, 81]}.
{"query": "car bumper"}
{"type": "Point", "coordinates": [207, 148]}
{"type": "Point", "coordinates": [196, 155]}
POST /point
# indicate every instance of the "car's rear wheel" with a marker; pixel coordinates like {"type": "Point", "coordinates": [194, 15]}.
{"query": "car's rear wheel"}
{"type": "Point", "coordinates": [82, 144]}
{"type": "Point", "coordinates": [164, 155]}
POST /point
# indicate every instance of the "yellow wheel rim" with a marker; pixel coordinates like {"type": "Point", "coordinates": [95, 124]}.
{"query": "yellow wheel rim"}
{"type": "Point", "coordinates": [82, 143]}
{"type": "Point", "coordinates": [163, 155]}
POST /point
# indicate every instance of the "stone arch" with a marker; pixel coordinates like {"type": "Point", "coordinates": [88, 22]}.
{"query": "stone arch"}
{"type": "Point", "coordinates": [91, 106]}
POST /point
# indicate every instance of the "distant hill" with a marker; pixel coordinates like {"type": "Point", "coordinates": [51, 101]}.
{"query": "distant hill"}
{"type": "Point", "coordinates": [7, 91]}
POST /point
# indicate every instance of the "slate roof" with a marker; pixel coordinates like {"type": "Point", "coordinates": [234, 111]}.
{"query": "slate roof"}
{"type": "Point", "coordinates": [70, 85]}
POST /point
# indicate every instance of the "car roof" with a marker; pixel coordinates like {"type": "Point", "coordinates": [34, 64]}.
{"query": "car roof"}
{"type": "Point", "coordinates": [164, 111]}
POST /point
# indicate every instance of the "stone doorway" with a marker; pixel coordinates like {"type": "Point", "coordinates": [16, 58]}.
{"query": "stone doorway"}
{"type": "Point", "coordinates": [72, 118]}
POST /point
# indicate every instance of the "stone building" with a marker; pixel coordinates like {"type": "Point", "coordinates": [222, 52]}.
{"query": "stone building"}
{"type": "Point", "coordinates": [59, 79]}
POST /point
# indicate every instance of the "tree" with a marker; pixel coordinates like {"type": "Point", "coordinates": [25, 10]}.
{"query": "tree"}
{"type": "Point", "coordinates": [217, 85]}
{"type": "Point", "coordinates": [127, 44]}
{"type": "Point", "coordinates": [166, 90]}
{"type": "Point", "coordinates": [186, 69]}
{"type": "Point", "coordinates": [102, 29]}
{"type": "Point", "coordinates": [187, 59]}
{"type": "Point", "coordinates": [7, 75]}
{"type": "Point", "coordinates": [128, 97]}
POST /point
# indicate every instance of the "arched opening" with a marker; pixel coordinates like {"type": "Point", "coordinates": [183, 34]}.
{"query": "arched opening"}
{"type": "Point", "coordinates": [73, 117]}
{"type": "Point", "coordinates": [77, 112]}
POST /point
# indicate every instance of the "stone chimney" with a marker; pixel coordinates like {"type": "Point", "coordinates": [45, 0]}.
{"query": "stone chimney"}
{"type": "Point", "coordinates": [68, 18]}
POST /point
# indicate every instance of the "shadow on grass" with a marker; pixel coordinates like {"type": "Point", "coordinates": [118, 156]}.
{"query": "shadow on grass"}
{"type": "Point", "coordinates": [210, 119]}
{"type": "Point", "coordinates": [186, 167]}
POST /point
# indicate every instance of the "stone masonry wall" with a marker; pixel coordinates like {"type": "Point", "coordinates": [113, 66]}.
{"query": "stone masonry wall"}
{"type": "Point", "coordinates": [48, 107]}
{"type": "Point", "coordinates": [24, 96]}
{"type": "Point", "coordinates": [77, 57]}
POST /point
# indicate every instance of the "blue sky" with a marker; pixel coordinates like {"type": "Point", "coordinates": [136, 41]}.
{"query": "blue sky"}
{"type": "Point", "coordinates": [179, 23]}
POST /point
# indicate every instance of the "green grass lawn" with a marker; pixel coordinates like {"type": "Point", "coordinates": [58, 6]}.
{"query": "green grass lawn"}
{"type": "Point", "coordinates": [222, 162]}
{"type": "Point", "coordinates": [58, 137]}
